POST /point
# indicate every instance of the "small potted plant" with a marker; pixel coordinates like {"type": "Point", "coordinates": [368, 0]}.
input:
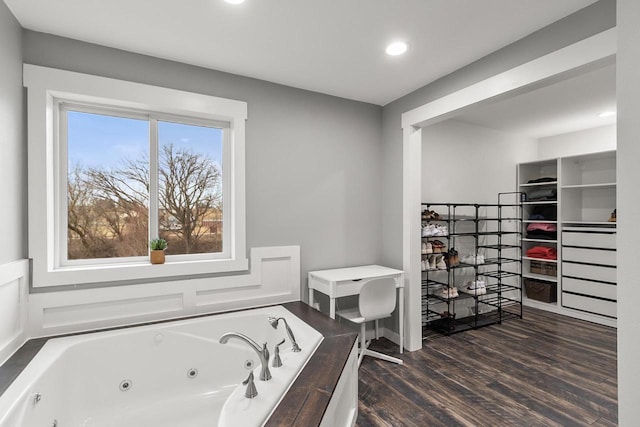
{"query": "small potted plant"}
{"type": "Point", "coordinates": [157, 247]}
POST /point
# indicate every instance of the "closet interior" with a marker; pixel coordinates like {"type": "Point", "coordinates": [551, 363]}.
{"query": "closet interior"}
{"type": "Point", "coordinates": [552, 149]}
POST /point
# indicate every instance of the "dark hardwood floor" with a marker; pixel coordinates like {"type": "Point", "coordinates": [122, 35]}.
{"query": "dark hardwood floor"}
{"type": "Point", "coordinates": [542, 370]}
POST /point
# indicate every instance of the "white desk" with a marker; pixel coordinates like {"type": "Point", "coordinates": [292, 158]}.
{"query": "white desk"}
{"type": "Point", "coordinates": [342, 282]}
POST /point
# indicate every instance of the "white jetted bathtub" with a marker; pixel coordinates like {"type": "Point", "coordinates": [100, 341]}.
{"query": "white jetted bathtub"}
{"type": "Point", "coordinates": [168, 374]}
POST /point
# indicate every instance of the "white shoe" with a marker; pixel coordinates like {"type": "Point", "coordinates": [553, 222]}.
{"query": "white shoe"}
{"type": "Point", "coordinates": [423, 265]}
{"type": "Point", "coordinates": [424, 247]}
{"type": "Point", "coordinates": [432, 262]}
{"type": "Point", "coordinates": [476, 287]}
{"type": "Point", "coordinates": [440, 264]}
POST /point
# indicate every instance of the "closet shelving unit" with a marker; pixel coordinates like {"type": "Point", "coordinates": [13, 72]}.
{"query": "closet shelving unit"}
{"type": "Point", "coordinates": [493, 231]}
{"type": "Point", "coordinates": [585, 279]}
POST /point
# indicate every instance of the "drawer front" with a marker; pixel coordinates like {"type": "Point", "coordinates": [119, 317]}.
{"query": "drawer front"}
{"type": "Point", "coordinates": [589, 272]}
{"type": "Point", "coordinates": [589, 240]}
{"type": "Point", "coordinates": [592, 305]}
{"type": "Point", "coordinates": [596, 289]}
{"type": "Point", "coordinates": [591, 256]}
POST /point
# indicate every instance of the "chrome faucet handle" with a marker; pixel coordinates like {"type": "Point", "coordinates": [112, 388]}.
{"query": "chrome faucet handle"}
{"type": "Point", "coordinates": [265, 374]}
{"type": "Point", "coordinates": [277, 362]}
{"type": "Point", "coordinates": [251, 390]}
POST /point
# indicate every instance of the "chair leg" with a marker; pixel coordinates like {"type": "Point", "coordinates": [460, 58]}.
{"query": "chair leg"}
{"type": "Point", "coordinates": [377, 331]}
{"type": "Point", "coordinates": [363, 343]}
{"type": "Point", "coordinates": [383, 356]}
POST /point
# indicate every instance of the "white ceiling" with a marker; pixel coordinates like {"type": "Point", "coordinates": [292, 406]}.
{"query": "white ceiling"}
{"type": "Point", "coordinates": [567, 106]}
{"type": "Point", "coordinates": [330, 46]}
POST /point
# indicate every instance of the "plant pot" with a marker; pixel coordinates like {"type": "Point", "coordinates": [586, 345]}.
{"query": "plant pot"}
{"type": "Point", "coordinates": [157, 257]}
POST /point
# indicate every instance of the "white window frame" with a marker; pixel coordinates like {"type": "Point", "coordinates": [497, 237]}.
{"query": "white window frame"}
{"type": "Point", "coordinates": [46, 88]}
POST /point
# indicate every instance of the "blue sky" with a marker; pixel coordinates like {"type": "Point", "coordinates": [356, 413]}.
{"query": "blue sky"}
{"type": "Point", "coordinates": [99, 140]}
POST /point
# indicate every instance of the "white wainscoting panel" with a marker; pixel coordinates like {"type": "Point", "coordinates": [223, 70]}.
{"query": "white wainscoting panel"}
{"type": "Point", "coordinates": [14, 292]}
{"type": "Point", "coordinates": [273, 278]}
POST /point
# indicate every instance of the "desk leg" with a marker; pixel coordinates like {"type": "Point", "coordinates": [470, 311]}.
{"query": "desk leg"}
{"type": "Point", "coordinates": [401, 318]}
{"type": "Point", "coordinates": [311, 298]}
{"type": "Point", "coordinates": [332, 308]}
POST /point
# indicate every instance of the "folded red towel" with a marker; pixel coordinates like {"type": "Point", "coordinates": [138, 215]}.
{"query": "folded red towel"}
{"type": "Point", "coordinates": [544, 252]}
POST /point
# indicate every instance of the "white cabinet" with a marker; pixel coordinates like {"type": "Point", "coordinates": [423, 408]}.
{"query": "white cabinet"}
{"type": "Point", "coordinates": [585, 238]}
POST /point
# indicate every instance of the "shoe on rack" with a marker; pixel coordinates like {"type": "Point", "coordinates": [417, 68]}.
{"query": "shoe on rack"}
{"type": "Point", "coordinates": [428, 230]}
{"type": "Point", "coordinates": [476, 287]}
{"type": "Point", "coordinates": [453, 258]}
{"type": "Point", "coordinates": [444, 292]}
{"type": "Point", "coordinates": [423, 265]}
{"type": "Point", "coordinates": [438, 247]}
{"type": "Point", "coordinates": [431, 262]}
{"type": "Point", "coordinates": [453, 292]}
{"type": "Point", "coordinates": [424, 248]}
{"type": "Point", "coordinates": [440, 264]}
{"type": "Point", "coordinates": [441, 230]}
{"type": "Point", "coordinates": [428, 247]}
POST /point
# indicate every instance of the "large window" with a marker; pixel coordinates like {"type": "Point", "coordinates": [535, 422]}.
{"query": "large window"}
{"type": "Point", "coordinates": [113, 164]}
{"type": "Point", "coordinates": [132, 176]}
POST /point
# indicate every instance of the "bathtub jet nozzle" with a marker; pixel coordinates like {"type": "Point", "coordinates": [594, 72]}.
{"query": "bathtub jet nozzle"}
{"type": "Point", "coordinates": [273, 321]}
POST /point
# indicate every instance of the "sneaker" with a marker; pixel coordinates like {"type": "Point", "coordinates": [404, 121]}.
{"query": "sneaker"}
{"type": "Point", "coordinates": [441, 230]}
{"type": "Point", "coordinates": [429, 248]}
{"type": "Point", "coordinates": [423, 265]}
{"type": "Point", "coordinates": [453, 292]}
{"type": "Point", "coordinates": [453, 258]}
{"type": "Point", "coordinates": [472, 259]}
{"type": "Point", "coordinates": [438, 247]}
{"type": "Point", "coordinates": [440, 264]}
{"type": "Point", "coordinates": [432, 262]}
{"type": "Point", "coordinates": [476, 287]}
{"type": "Point", "coordinates": [428, 230]}
{"type": "Point", "coordinates": [424, 247]}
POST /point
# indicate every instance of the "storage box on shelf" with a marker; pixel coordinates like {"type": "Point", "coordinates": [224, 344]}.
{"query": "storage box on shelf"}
{"type": "Point", "coordinates": [481, 282]}
{"type": "Point", "coordinates": [540, 291]}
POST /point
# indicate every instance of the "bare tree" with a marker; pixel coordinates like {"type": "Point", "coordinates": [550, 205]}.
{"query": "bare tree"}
{"type": "Point", "coordinates": [189, 189]}
{"type": "Point", "coordinates": [108, 208]}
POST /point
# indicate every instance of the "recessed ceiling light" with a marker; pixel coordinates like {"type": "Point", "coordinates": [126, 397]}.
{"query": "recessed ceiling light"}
{"type": "Point", "coordinates": [234, 1]}
{"type": "Point", "coordinates": [607, 114]}
{"type": "Point", "coordinates": [396, 48]}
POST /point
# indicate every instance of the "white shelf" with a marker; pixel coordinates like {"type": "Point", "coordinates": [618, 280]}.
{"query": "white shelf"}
{"type": "Point", "coordinates": [555, 261]}
{"type": "Point", "coordinates": [542, 277]}
{"type": "Point", "coordinates": [542, 202]}
{"type": "Point", "coordinates": [587, 223]}
{"type": "Point", "coordinates": [539, 184]}
{"type": "Point", "coordinates": [540, 240]}
{"type": "Point", "coordinates": [589, 186]}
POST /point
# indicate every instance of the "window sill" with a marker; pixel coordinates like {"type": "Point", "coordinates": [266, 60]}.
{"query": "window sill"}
{"type": "Point", "coordinates": [77, 275]}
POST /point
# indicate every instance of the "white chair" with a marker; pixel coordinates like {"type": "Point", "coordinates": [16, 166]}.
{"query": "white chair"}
{"type": "Point", "coordinates": [377, 300]}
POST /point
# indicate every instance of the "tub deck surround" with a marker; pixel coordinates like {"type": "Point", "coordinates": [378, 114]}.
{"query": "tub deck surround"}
{"type": "Point", "coordinates": [309, 395]}
{"type": "Point", "coordinates": [307, 400]}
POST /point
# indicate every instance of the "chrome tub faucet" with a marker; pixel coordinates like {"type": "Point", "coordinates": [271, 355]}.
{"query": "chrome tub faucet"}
{"type": "Point", "coordinates": [263, 353]}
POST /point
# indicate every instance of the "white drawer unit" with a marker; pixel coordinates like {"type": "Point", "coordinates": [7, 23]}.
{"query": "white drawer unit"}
{"type": "Point", "coordinates": [587, 287]}
{"type": "Point", "coordinates": [595, 238]}
{"type": "Point", "coordinates": [591, 305]}
{"type": "Point", "coordinates": [589, 256]}
{"type": "Point", "coordinates": [589, 272]}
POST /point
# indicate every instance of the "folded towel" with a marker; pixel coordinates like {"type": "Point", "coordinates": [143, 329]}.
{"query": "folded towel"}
{"type": "Point", "coordinates": [542, 226]}
{"type": "Point", "coordinates": [543, 252]}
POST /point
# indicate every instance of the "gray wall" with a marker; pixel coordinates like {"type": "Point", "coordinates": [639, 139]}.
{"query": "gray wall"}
{"type": "Point", "coordinates": [628, 205]}
{"type": "Point", "coordinates": [584, 23]}
{"type": "Point", "coordinates": [313, 161]}
{"type": "Point", "coordinates": [12, 147]}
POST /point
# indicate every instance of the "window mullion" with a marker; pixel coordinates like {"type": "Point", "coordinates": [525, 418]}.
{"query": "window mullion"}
{"type": "Point", "coordinates": [154, 158]}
